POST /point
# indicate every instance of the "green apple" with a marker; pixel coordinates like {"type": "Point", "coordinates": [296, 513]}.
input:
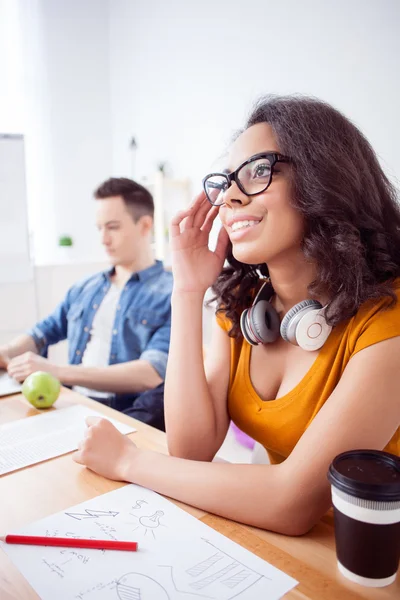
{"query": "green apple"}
{"type": "Point", "coordinates": [41, 389]}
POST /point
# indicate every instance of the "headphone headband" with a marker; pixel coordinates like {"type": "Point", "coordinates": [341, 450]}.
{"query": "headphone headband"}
{"type": "Point", "coordinates": [265, 292]}
{"type": "Point", "coordinates": [303, 325]}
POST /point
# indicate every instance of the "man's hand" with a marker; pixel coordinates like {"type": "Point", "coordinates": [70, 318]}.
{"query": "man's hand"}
{"type": "Point", "coordinates": [105, 450]}
{"type": "Point", "coordinates": [4, 358]}
{"type": "Point", "coordinates": [29, 362]}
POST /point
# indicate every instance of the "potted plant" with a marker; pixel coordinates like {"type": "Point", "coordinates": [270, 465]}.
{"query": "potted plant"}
{"type": "Point", "coordinates": [65, 244]}
{"type": "Point", "coordinates": [65, 240]}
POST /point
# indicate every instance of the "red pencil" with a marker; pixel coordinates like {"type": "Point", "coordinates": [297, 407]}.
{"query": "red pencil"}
{"type": "Point", "coordinates": [36, 540]}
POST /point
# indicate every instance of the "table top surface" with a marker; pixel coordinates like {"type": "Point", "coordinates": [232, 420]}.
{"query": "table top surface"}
{"type": "Point", "coordinates": [59, 483]}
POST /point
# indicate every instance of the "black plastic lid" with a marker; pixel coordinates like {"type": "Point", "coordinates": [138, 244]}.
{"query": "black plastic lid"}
{"type": "Point", "coordinates": [368, 474]}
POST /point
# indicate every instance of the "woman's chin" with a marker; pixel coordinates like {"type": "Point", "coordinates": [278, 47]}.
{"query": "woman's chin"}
{"type": "Point", "coordinates": [245, 254]}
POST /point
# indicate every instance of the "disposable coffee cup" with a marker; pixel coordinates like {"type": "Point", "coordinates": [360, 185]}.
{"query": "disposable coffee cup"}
{"type": "Point", "coordinates": [366, 504]}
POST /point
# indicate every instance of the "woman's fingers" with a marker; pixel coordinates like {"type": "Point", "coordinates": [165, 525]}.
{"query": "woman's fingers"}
{"type": "Point", "coordinates": [174, 227]}
{"type": "Point", "coordinates": [198, 199]}
{"type": "Point", "coordinates": [198, 212]}
{"type": "Point", "coordinates": [77, 457]}
{"type": "Point", "coordinates": [210, 218]}
{"type": "Point", "coordinates": [196, 219]}
{"type": "Point", "coordinates": [92, 420]}
{"type": "Point", "coordinates": [188, 215]}
{"type": "Point", "coordinates": [202, 213]}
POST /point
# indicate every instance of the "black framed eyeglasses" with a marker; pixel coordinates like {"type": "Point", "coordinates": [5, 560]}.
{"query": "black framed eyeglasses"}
{"type": "Point", "coordinates": [252, 177]}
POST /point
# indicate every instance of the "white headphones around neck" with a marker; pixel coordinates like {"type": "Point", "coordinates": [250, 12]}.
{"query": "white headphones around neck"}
{"type": "Point", "coordinates": [303, 325]}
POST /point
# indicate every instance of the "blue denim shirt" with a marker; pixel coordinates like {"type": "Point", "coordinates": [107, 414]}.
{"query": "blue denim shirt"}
{"type": "Point", "coordinates": [142, 320]}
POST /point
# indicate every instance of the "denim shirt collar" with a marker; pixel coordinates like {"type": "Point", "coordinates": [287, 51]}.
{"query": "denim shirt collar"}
{"type": "Point", "coordinates": [151, 271]}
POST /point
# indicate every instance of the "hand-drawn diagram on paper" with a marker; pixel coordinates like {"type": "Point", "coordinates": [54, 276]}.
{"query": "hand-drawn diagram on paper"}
{"type": "Point", "coordinates": [218, 576]}
{"type": "Point", "coordinates": [179, 557]}
{"type": "Point", "coordinates": [149, 522]}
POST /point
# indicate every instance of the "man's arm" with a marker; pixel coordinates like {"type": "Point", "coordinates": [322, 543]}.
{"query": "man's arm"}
{"type": "Point", "coordinates": [52, 329]}
{"type": "Point", "coordinates": [21, 356]}
{"type": "Point", "coordinates": [134, 377]}
{"type": "Point", "coordinates": [19, 345]}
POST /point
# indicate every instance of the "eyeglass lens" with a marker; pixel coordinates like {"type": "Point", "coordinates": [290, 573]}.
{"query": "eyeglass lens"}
{"type": "Point", "coordinates": [254, 177]}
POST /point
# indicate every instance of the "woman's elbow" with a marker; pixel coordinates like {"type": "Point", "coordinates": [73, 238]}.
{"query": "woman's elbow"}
{"type": "Point", "coordinates": [176, 446]}
{"type": "Point", "coordinates": [180, 448]}
{"type": "Point", "coordinates": [293, 518]}
{"type": "Point", "coordinates": [185, 444]}
{"type": "Point", "coordinates": [299, 518]}
{"type": "Point", "coordinates": [292, 527]}
{"type": "Point", "coordinates": [295, 528]}
{"type": "Point", "coordinates": [177, 450]}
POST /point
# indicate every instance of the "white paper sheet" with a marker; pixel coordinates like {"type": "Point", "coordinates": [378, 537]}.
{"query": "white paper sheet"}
{"type": "Point", "coordinates": [8, 385]}
{"type": "Point", "coordinates": [179, 557]}
{"type": "Point", "coordinates": [34, 439]}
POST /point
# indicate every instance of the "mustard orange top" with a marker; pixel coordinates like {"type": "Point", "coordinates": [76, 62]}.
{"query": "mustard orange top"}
{"type": "Point", "coordinates": [278, 424]}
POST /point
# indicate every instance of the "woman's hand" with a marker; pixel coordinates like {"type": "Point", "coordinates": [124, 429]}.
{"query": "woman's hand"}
{"type": "Point", "coordinates": [194, 265]}
{"type": "Point", "coordinates": [105, 450]}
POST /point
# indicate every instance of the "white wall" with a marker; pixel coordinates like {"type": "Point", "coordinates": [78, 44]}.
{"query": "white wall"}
{"type": "Point", "coordinates": [68, 120]}
{"type": "Point", "coordinates": [83, 77]}
{"type": "Point", "coordinates": [184, 74]}
{"type": "Point", "coordinates": [11, 59]}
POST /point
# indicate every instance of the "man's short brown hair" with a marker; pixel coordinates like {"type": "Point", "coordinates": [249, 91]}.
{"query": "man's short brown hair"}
{"type": "Point", "coordinates": [137, 198]}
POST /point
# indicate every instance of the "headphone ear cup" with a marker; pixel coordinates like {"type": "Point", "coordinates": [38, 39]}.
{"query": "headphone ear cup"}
{"type": "Point", "coordinates": [305, 325]}
{"type": "Point", "coordinates": [244, 328]}
{"type": "Point", "coordinates": [313, 330]}
{"type": "Point", "coordinates": [292, 317]}
{"type": "Point", "coordinates": [261, 323]}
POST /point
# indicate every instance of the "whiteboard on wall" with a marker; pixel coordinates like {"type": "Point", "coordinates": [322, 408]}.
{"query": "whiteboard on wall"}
{"type": "Point", "coordinates": [15, 261]}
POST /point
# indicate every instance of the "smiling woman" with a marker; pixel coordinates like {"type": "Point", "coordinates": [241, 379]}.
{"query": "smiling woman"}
{"type": "Point", "coordinates": [307, 333]}
{"type": "Point", "coordinates": [339, 190]}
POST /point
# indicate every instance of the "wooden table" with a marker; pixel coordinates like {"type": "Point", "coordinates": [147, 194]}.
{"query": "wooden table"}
{"type": "Point", "coordinates": [40, 490]}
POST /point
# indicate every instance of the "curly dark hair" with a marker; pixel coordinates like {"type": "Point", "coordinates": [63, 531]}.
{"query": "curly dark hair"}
{"type": "Point", "coordinates": [350, 209]}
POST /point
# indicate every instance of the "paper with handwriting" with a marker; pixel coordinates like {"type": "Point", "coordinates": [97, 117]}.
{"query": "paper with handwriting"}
{"type": "Point", "coordinates": [179, 557]}
{"type": "Point", "coordinates": [35, 439]}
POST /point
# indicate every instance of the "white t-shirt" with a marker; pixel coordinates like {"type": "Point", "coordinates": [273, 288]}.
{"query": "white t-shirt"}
{"type": "Point", "coordinates": [97, 351]}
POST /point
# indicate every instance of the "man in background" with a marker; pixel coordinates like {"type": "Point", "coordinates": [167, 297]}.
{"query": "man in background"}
{"type": "Point", "coordinates": [117, 322]}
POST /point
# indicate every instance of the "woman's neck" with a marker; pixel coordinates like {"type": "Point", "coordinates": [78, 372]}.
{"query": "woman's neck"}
{"type": "Point", "coordinates": [291, 282]}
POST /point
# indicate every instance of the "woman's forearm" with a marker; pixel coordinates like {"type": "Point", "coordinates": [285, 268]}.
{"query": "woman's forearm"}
{"type": "Point", "coordinates": [257, 495]}
{"type": "Point", "coordinates": [189, 413]}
